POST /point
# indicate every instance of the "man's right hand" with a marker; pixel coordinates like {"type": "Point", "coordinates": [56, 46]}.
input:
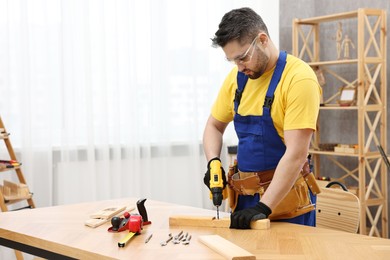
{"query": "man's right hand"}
{"type": "Point", "coordinates": [241, 219]}
{"type": "Point", "coordinates": [206, 178]}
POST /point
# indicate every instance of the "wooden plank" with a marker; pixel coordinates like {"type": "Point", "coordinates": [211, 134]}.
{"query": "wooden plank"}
{"type": "Point", "coordinates": [206, 221]}
{"type": "Point", "coordinates": [108, 213]}
{"type": "Point", "coordinates": [226, 248]}
{"type": "Point", "coordinates": [328, 18]}
{"type": "Point", "coordinates": [100, 217]}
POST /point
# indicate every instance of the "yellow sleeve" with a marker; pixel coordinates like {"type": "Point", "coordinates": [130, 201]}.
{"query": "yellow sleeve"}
{"type": "Point", "coordinates": [223, 108]}
{"type": "Point", "coordinates": [302, 106]}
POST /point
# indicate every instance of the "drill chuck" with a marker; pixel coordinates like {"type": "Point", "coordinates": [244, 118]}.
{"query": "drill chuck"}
{"type": "Point", "coordinates": [217, 196]}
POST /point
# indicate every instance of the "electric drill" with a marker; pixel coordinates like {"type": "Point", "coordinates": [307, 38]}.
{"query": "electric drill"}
{"type": "Point", "coordinates": [217, 189]}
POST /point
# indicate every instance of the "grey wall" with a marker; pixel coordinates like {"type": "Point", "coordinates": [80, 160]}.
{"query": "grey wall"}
{"type": "Point", "coordinates": [339, 127]}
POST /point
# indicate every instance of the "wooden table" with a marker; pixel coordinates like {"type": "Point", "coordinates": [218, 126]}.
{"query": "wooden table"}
{"type": "Point", "coordinates": [59, 233]}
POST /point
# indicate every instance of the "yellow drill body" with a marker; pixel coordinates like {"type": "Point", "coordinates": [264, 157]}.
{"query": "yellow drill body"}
{"type": "Point", "coordinates": [217, 190]}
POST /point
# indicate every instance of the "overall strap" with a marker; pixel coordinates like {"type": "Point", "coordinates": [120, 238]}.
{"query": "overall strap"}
{"type": "Point", "coordinates": [281, 63]}
{"type": "Point", "coordinates": [241, 82]}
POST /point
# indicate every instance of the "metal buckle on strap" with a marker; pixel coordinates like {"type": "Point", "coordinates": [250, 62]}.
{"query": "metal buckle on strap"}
{"type": "Point", "coordinates": [268, 101]}
{"type": "Point", "coordinates": [237, 96]}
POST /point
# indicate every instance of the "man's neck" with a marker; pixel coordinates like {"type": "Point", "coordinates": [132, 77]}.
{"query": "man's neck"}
{"type": "Point", "coordinates": [273, 58]}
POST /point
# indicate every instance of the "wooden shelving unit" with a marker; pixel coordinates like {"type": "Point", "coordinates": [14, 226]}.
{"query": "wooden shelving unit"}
{"type": "Point", "coordinates": [368, 111]}
{"type": "Point", "coordinates": [12, 193]}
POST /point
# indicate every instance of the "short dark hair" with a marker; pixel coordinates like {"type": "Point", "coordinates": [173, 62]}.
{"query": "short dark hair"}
{"type": "Point", "coordinates": [241, 24]}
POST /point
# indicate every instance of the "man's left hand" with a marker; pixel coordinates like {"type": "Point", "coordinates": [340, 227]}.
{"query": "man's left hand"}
{"type": "Point", "coordinates": [242, 219]}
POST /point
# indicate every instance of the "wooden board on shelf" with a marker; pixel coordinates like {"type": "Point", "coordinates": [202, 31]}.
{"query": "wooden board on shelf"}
{"type": "Point", "coordinates": [15, 191]}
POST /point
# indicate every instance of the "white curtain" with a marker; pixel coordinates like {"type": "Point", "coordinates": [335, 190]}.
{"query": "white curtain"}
{"type": "Point", "coordinates": [109, 98]}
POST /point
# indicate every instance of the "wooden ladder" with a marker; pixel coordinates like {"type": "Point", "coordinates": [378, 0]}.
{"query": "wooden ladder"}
{"type": "Point", "coordinates": [5, 200]}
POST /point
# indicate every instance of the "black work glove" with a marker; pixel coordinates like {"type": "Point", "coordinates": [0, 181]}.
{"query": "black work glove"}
{"type": "Point", "coordinates": [206, 178]}
{"type": "Point", "coordinates": [242, 219]}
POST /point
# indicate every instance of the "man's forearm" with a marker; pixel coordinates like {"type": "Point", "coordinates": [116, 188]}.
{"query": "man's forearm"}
{"type": "Point", "coordinates": [289, 166]}
{"type": "Point", "coordinates": [284, 178]}
{"type": "Point", "coordinates": [212, 143]}
{"type": "Point", "coordinates": [212, 138]}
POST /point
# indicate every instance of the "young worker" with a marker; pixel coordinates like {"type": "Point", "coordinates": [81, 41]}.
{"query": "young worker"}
{"type": "Point", "coordinates": [273, 99]}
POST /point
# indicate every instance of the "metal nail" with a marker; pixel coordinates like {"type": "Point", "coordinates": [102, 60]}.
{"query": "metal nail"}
{"type": "Point", "coordinates": [186, 241]}
{"type": "Point", "coordinates": [149, 237]}
{"type": "Point", "coordinates": [177, 240]}
{"type": "Point", "coordinates": [164, 243]}
{"type": "Point", "coordinates": [178, 235]}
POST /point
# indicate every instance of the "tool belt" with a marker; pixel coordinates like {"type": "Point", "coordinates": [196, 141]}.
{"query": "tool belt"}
{"type": "Point", "coordinates": [295, 203]}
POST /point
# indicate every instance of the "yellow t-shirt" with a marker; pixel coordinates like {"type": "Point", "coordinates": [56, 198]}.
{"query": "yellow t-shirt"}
{"type": "Point", "coordinates": [296, 103]}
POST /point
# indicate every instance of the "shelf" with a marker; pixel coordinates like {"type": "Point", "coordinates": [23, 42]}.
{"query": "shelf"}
{"type": "Point", "coordinates": [367, 74]}
{"type": "Point", "coordinates": [328, 18]}
{"type": "Point", "coordinates": [10, 169]}
{"type": "Point", "coordinates": [14, 199]}
{"type": "Point", "coordinates": [312, 151]}
{"type": "Point", "coordinates": [8, 195]}
{"type": "Point", "coordinates": [12, 192]}
{"type": "Point", "coordinates": [338, 107]}
{"type": "Point", "coordinates": [333, 62]}
{"type": "Point", "coordinates": [368, 60]}
{"type": "Point", "coordinates": [368, 155]}
{"type": "Point", "coordinates": [336, 17]}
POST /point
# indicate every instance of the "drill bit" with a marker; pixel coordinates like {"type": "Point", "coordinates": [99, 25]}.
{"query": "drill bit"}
{"type": "Point", "coordinates": [149, 237]}
{"type": "Point", "coordinates": [217, 212]}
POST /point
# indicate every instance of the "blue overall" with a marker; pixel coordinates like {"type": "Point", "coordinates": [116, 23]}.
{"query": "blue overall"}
{"type": "Point", "coordinates": [260, 147]}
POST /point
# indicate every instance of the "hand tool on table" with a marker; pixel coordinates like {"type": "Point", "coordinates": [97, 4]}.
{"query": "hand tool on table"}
{"type": "Point", "coordinates": [121, 224]}
{"type": "Point", "coordinates": [134, 224]}
{"type": "Point", "coordinates": [100, 217]}
{"type": "Point", "coordinates": [142, 211]}
{"type": "Point", "coordinates": [217, 187]}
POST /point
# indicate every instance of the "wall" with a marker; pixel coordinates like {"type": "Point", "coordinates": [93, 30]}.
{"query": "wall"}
{"type": "Point", "coordinates": [342, 127]}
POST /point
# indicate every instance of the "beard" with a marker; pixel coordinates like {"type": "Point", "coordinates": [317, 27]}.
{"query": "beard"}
{"type": "Point", "coordinates": [261, 64]}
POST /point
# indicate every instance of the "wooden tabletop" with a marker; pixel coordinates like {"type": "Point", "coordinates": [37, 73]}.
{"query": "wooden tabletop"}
{"type": "Point", "coordinates": [61, 230]}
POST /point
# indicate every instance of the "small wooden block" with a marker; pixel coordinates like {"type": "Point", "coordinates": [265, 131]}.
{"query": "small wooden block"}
{"type": "Point", "coordinates": [15, 191]}
{"type": "Point", "coordinates": [6, 190]}
{"type": "Point", "coordinates": [339, 149]}
{"type": "Point", "coordinates": [201, 221]}
{"type": "Point", "coordinates": [95, 222]}
{"type": "Point", "coordinates": [3, 166]}
{"type": "Point", "coordinates": [226, 248]}
{"type": "Point", "coordinates": [103, 216]}
{"type": "Point", "coordinates": [108, 212]}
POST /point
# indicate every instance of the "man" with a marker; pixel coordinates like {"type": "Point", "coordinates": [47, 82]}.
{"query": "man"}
{"type": "Point", "coordinates": [273, 99]}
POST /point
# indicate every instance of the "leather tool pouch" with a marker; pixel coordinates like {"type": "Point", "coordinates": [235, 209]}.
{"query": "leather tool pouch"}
{"type": "Point", "coordinates": [232, 194]}
{"type": "Point", "coordinates": [310, 179]}
{"type": "Point", "coordinates": [296, 202]}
